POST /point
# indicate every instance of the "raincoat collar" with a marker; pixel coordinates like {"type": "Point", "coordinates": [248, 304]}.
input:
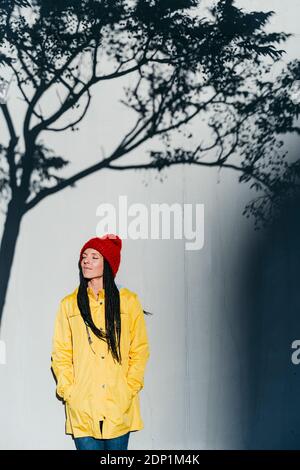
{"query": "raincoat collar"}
{"type": "Point", "coordinates": [101, 293]}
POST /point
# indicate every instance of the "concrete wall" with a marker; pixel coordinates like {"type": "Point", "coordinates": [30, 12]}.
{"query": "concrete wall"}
{"type": "Point", "coordinates": [219, 374]}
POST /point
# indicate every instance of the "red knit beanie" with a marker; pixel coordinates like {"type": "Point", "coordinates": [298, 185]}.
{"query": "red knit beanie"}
{"type": "Point", "coordinates": [110, 248]}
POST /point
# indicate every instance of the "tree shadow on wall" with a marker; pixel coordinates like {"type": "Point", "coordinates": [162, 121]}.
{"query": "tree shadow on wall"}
{"type": "Point", "coordinates": [179, 69]}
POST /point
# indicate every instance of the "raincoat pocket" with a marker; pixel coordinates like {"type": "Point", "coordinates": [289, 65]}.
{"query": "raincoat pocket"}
{"type": "Point", "coordinates": [119, 398]}
{"type": "Point", "coordinates": [70, 393]}
{"type": "Point", "coordinates": [126, 394]}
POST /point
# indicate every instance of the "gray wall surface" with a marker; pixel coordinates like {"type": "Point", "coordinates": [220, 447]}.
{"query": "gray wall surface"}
{"type": "Point", "coordinates": [219, 374]}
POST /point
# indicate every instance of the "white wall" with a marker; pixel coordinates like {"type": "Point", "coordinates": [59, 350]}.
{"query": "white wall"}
{"type": "Point", "coordinates": [195, 382]}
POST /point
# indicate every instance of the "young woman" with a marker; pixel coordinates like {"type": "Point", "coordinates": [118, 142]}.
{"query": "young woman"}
{"type": "Point", "coordinates": [100, 350]}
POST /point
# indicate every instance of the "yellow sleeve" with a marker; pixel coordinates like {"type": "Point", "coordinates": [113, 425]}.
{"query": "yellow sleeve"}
{"type": "Point", "coordinates": [62, 353]}
{"type": "Point", "coordinates": [139, 351]}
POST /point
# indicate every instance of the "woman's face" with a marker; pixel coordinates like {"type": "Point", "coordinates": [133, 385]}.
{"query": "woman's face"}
{"type": "Point", "coordinates": [92, 263]}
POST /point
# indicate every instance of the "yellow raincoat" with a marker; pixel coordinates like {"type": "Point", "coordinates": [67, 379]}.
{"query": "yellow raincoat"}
{"type": "Point", "coordinates": [93, 386]}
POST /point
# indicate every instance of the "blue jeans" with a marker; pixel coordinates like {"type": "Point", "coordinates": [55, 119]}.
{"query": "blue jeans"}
{"type": "Point", "coordinates": [91, 443]}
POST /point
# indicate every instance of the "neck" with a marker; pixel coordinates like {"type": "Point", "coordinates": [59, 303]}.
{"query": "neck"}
{"type": "Point", "coordinates": [96, 284]}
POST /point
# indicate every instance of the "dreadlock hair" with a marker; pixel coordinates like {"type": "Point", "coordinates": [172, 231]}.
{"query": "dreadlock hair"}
{"type": "Point", "coordinates": [112, 334]}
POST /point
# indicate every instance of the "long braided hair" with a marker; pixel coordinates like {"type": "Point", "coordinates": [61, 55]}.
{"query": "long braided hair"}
{"type": "Point", "coordinates": [112, 334]}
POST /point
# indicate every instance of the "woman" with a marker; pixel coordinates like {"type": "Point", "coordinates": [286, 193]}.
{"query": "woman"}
{"type": "Point", "coordinates": [100, 350]}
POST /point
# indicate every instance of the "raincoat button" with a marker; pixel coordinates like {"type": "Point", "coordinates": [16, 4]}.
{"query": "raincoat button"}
{"type": "Point", "coordinates": [103, 385]}
{"type": "Point", "coordinates": [102, 357]}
